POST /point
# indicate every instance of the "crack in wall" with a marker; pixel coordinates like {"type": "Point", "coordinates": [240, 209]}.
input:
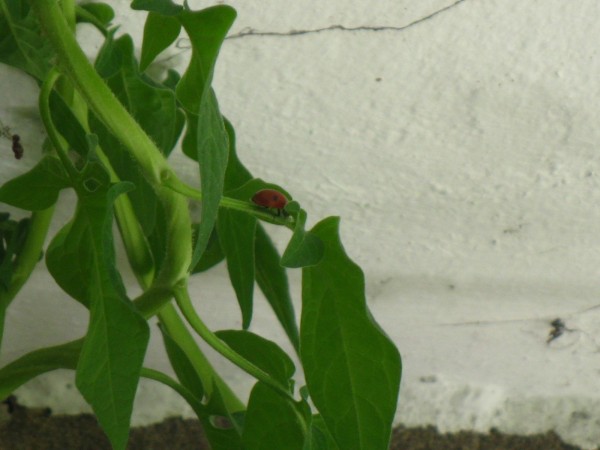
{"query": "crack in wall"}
{"type": "Point", "coordinates": [253, 32]}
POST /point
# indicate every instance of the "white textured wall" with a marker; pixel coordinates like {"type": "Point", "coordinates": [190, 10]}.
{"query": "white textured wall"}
{"type": "Point", "coordinates": [458, 141]}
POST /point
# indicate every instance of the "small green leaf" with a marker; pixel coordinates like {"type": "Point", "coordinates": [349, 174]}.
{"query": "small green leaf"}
{"type": "Point", "coordinates": [236, 232]}
{"type": "Point", "coordinates": [352, 368]}
{"type": "Point", "coordinates": [272, 280]}
{"type": "Point", "coordinates": [304, 249]}
{"type": "Point", "coordinates": [261, 352]}
{"type": "Point", "coordinates": [37, 189]}
{"type": "Point", "coordinates": [165, 7]}
{"type": "Point", "coordinates": [182, 366]}
{"type": "Point", "coordinates": [35, 363]}
{"type": "Point", "coordinates": [102, 12]}
{"type": "Point", "coordinates": [159, 32]}
{"type": "Point", "coordinates": [273, 422]}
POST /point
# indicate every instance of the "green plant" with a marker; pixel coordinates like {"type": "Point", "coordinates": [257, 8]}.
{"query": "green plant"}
{"type": "Point", "coordinates": [111, 128]}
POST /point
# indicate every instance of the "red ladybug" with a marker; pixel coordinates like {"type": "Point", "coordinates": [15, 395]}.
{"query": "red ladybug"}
{"type": "Point", "coordinates": [270, 198]}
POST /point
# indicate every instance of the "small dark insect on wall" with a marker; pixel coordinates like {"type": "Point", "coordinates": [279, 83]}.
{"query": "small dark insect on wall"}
{"type": "Point", "coordinates": [17, 148]}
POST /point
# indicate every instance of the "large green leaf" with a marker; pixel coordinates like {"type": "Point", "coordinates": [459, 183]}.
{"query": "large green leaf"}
{"type": "Point", "coordinates": [113, 351]}
{"type": "Point", "coordinates": [261, 352]}
{"type": "Point", "coordinates": [352, 368]}
{"type": "Point", "coordinates": [236, 232]}
{"type": "Point", "coordinates": [81, 258]}
{"type": "Point", "coordinates": [35, 363]}
{"type": "Point", "coordinates": [273, 421]}
{"type": "Point", "coordinates": [37, 189]}
{"type": "Point", "coordinates": [206, 30]}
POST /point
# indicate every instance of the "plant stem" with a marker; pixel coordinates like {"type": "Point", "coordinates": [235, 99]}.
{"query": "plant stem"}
{"type": "Point", "coordinates": [185, 305]}
{"type": "Point", "coordinates": [155, 375]}
{"type": "Point", "coordinates": [210, 379]}
{"type": "Point", "coordinates": [230, 203]}
{"type": "Point", "coordinates": [101, 100]}
{"type": "Point", "coordinates": [28, 258]}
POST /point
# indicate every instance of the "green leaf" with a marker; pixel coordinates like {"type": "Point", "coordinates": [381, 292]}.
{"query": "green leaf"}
{"type": "Point", "coordinates": [33, 364]}
{"type": "Point", "coordinates": [212, 256]}
{"type": "Point", "coordinates": [212, 158]}
{"type": "Point", "coordinates": [261, 352]}
{"type": "Point", "coordinates": [166, 7]}
{"type": "Point", "coordinates": [206, 30]}
{"type": "Point", "coordinates": [273, 422]}
{"type": "Point", "coordinates": [272, 279]}
{"type": "Point", "coordinates": [159, 32]}
{"type": "Point", "coordinates": [182, 366]}
{"type": "Point", "coordinates": [101, 12]}
{"type": "Point", "coordinates": [153, 106]}
{"type": "Point", "coordinates": [68, 125]}
{"type": "Point", "coordinates": [37, 189]}
{"type": "Point", "coordinates": [304, 249]}
{"type": "Point", "coordinates": [270, 276]}
{"type": "Point", "coordinates": [236, 232]}
{"type": "Point", "coordinates": [155, 109]}
{"type": "Point", "coordinates": [22, 44]}
{"type": "Point", "coordinates": [318, 436]}
{"type": "Point", "coordinates": [236, 174]}
{"type": "Point", "coordinates": [113, 351]}
{"type": "Point", "coordinates": [352, 368]}
{"type": "Point", "coordinates": [222, 427]}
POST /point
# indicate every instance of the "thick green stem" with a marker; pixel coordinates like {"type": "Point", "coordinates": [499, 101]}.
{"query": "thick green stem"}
{"type": "Point", "coordinates": [74, 64]}
{"type": "Point", "coordinates": [185, 305]}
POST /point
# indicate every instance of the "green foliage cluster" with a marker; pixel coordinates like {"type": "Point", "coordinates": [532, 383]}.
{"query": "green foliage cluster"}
{"type": "Point", "coordinates": [111, 128]}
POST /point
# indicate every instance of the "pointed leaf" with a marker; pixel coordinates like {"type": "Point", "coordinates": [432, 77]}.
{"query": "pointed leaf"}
{"type": "Point", "coordinates": [37, 189]}
{"type": "Point", "coordinates": [352, 368]}
{"type": "Point", "coordinates": [206, 30]}
{"type": "Point", "coordinates": [272, 280]}
{"type": "Point", "coordinates": [304, 249]}
{"type": "Point", "coordinates": [159, 32]}
{"type": "Point", "coordinates": [111, 359]}
{"type": "Point", "coordinates": [236, 232]}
